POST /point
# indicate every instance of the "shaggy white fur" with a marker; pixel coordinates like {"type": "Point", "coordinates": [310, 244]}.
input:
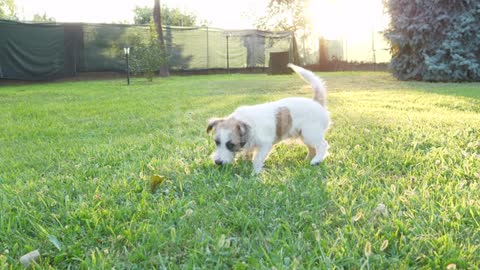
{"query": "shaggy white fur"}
{"type": "Point", "coordinates": [257, 128]}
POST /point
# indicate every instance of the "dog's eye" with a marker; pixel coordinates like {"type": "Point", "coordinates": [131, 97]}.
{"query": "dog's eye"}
{"type": "Point", "coordinates": [217, 142]}
{"type": "Point", "coordinates": [230, 145]}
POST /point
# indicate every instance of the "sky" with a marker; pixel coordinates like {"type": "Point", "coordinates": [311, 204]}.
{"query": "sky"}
{"type": "Point", "coordinates": [346, 14]}
{"type": "Point", "coordinates": [218, 13]}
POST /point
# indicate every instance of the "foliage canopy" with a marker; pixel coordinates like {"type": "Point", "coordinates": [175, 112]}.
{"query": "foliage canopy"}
{"type": "Point", "coordinates": [284, 15]}
{"type": "Point", "coordinates": [170, 16]}
{"type": "Point", "coordinates": [8, 10]}
{"type": "Point", "coordinates": [435, 40]}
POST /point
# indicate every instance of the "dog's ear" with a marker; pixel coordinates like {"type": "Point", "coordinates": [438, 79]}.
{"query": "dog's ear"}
{"type": "Point", "coordinates": [243, 128]}
{"type": "Point", "coordinates": [212, 123]}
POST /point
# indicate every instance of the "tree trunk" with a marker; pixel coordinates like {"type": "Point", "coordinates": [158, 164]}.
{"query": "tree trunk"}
{"type": "Point", "coordinates": [158, 25]}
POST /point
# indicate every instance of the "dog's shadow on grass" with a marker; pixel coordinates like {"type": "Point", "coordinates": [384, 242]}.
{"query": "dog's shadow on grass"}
{"type": "Point", "coordinates": [286, 162]}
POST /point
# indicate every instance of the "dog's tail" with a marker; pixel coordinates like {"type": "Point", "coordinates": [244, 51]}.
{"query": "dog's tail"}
{"type": "Point", "coordinates": [318, 85]}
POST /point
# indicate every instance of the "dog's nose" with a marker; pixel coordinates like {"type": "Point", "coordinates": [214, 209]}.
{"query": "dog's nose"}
{"type": "Point", "coordinates": [218, 162]}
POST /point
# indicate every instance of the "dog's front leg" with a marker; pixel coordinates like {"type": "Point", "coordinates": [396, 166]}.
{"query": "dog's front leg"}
{"type": "Point", "coordinates": [260, 157]}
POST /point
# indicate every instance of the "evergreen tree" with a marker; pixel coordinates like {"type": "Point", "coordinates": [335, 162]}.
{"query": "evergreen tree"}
{"type": "Point", "coordinates": [435, 40]}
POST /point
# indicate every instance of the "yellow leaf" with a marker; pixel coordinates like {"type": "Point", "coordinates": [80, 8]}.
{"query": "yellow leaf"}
{"type": "Point", "coordinates": [317, 235]}
{"type": "Point", "coordinates": [155, 182]}
{"type": "Point", "coordinates": [357, 217]}
{"type": "Point", "coordinates": [221, 241]}
{"type": "Point", "coordinates": [368, 249]}
{"type": "Point", "coordinates": [384, 245]}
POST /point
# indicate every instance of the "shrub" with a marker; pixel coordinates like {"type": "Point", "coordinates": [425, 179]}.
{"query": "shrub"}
{"type": "Point", "coordinates": [147, 55]}
{"type": "Point", "coordinates": [435, 40]}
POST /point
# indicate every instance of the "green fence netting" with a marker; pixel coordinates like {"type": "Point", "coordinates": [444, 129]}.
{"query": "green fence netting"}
{"type": "Point", "coordinates": [32, 51]}
{"type": "Point", "coordinates": [47, 51]}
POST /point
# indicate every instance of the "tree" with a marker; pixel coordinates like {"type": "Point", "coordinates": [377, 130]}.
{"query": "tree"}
{"type": "Point", "coordinates": [8, 10]}
{"type": "Point", "coordinates": [145, 53]}
{"type": "Point", "coordinates": [323, 60]}
{"type": "Point", "coordinates": [175, 17]}
{"type": "Point", "coordinates": [42, 18]}
{"type": "Point", "coordinates": [157, 18]}
{"type": "Point", "coordinates": [284, 15]}
{"type": "Point", "coordinates": [143, 15]}
{"type": "Point", "coordinates": [170, 16]}
{"type": "Point", "coordinates": [434, 40]}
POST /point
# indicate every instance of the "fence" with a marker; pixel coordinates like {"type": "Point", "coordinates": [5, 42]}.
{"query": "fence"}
{"type": "Point", "coordinates": [48, 51]}
{"type": "Point", "coordinates": [31, 51]}
{"type": "Point", "coordinates": [367, 48]}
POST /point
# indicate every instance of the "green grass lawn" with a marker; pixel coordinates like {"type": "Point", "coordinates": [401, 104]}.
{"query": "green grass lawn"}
{"type": "Point", "coordinates": [76, 161]}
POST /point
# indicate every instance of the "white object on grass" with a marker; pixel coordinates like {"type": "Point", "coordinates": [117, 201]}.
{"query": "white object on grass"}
{"type": "Point", "coordinates": [30, 257]}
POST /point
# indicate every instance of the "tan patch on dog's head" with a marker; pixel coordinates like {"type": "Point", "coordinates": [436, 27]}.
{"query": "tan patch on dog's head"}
{"type": "Point", "coordinates": [283, 120]}
{"type": "Point", "coordinates": [213, 122]}
{"type": "Point", "coordinates": [237, 133]}
{"type": "Point", "coordinates": [231, 135]}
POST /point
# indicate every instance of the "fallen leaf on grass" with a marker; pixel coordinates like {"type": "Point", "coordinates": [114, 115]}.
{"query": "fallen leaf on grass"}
{"type": "Point", "coordinates": [155, 182]}
{"type": "Point", "coordinates": [317, 236]}
{"type": "Point", "coordinates": [357, 217]}
{"type": "Point", "coordinates": [368, 249]}
{"type": "Point", "coordinates": [55, 242]}
{"type": "Point", "coordinates": [381, 210]}
{"type": "Point", "coordinates": [188, 212]}
{"type": "Point", "coordinates": [29, 258]}
{"type": "Point", "coordinates": [384, 245]}
{"type": "Point", "coordinates": [221, 241]}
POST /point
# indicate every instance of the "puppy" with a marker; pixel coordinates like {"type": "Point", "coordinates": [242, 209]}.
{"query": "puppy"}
{"type": "Point", "coordinates": [257, 128]}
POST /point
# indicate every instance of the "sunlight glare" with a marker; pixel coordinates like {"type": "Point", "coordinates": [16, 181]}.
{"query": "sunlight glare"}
{"type": "Point", "coordinates": [347, 19]}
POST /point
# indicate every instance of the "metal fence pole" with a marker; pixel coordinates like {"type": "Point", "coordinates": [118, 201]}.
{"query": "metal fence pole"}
{"type": "Point", "coordinates": [228, 54]}
{"type": "Point", "coordinates": [126, 50]}
{"type": "Point", "coordinates": [208, 54]}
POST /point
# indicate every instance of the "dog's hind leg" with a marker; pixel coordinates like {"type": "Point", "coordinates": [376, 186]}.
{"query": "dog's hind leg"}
{"type": "Point", "coordinates": [321, 152]}
{"type": "Point", "coordinates": [313, 138]}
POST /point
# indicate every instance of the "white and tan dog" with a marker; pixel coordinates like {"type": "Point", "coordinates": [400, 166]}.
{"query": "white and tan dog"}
{"type": "Point", "coordinates": [257, 128]}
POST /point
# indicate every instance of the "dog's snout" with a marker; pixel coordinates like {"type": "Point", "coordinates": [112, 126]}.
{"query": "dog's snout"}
{"type": "Point", "coordinates": [218, 162]}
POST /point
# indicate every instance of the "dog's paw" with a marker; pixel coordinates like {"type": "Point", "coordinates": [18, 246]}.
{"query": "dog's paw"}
{"type": "Point", "coordinates": [315, 162]}
{"type": "Point", "coordinates": [318, 159]}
